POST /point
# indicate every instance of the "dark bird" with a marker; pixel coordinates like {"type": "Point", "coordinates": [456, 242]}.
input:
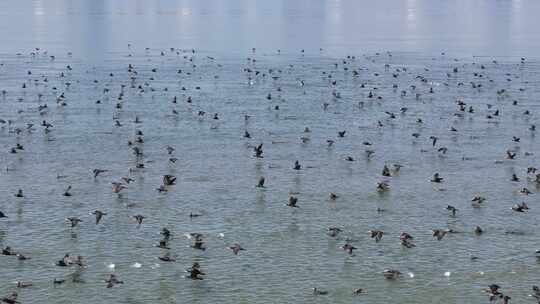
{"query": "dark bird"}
{"type": "Point", "coordinates": [74, 221]}
{"type": "Point", "coordinates": [112, 281]}
{"type": "Point", "coordinates": [169, 180]}
{"type": "Point", "coordinates": [258, 151]}
{"type": "Point", "coordinates": [477, 201]}
{"type": "Point", "coordinates": [334, 231]}
{"type": "Point", "coordinates": [525, 191]}
{"type": "Point", "coordinates": [166, 233]}
{"type": "Point", "coordinates": [195, 272]}
{"type": "Point", "coordinates": [520, 207]}
{"type": "Point", "coordinates": [236, 248]}
{"type": "Point", "coordinates": [405, 236]}
{"type": "Point", "coordinates": [166, 258]}
{"type": "Point", "coordinates": [358, 291]}
{"type": "Point", "coordinates": [67, 193]}
{"type": "Point", "coordinates": [433, 140]}
{"type": "Point", "coordinates": [98, 172]}
{"type": "Point", "coordinates": [139, 219]}
{"type": "Point", "coordinates": [377, 234]}
{"type": "Point", "coordinates": [317, 291]}
{"type": "Point", "coordinates": [406, 243]}
{"type": "Point", "coordinates": [382, 186]}
{"type": "Point", "coordinates": [260, 184]}
{"type": "Point", "coordinates": [391, 274]}
{"type": "Point", "coordinates": [8, 251]}
{"type": "Point", "coordinates": [117, 187]}
{"type": "Point", "coordinates": [292, 201]}
{"type": "Point", "coordinates": [386, 171]}
{"type": "Point", "coordinates": [11, 299]}
{"type": "Point", "coordinates": [297, 165]}
{"type": "Point", "coordinates": [452, 209]}
{"type": "Point", "coordinates": [2, 215]}
{"type": "Point", "coordinates": [349, 248]}
{"type": "Point", "coordinates": [478, 230]}
{"type": "Point", "coordinates": [99, 214]}
{"type": "Point", "coordinates": [198, 242]}
{"type": "Point", "coordinates": [436, 178]}
{"type": "Point", "coordinates": [23, 285]}
{"type": "Point", "coordinates": [439, 233]}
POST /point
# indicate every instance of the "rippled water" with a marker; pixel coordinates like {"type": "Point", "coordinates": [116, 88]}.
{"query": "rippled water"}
{"type": "Point", "coordinates": [287, 251]}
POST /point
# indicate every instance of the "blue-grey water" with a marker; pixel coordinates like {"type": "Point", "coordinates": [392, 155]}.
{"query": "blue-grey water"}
{"type": "Point", "coordinates": [382, 48]}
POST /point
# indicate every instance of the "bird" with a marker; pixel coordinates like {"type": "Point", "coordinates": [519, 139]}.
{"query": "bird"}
{"type": "Point", "coordinates": [258, 151]}
{"type": "Point", "coordinates": [98, 172]}
{"type": "Point", "coordinates": [166, 257]}
{"type": "Point", "coordinates": [386, 171]}
{"type": "Point", "coordinates": [477, 201]}
{"type": "Point", "coordinates": [436, 178]}
{"type": "Point", "coordinates": [452, 209]}
{"type": "Point", "coordinates": [391, 274]}
{"type": "Point", "coordinates": [439, 233]}
{"type": "Point", "coordinates": [407, 243]}
{"type": "Point", "coordinates": [117, 187]}
{"type": "Point", "coordinates": [23, 285]}
{"type": "Point", "coordinates": [334, 231]}
{"type": "Point", "coordinates": [525, 191]}
{"type": "Point", "coordinates": [433, 140]}
{"type": "Point", "coordinates": [139, 219]}
{"type": "Point", "coordinates": [382, 186]}
{"type": "Point", "coordinates": [19, 193]}
{"type": "Point", "coordinates": [317, 291]}
{"type": "Point", "coordinates": [349, 248]}
{"type": "Point", "coordinates": [236, 248]}
{"type": "Point", "coordinates": [377, 234]}
{"type": "Point", "coordinates": [169, 180]}
{"type": "Point", "coordinates": [292, 201]}
{"type": "Point", "coordinates": [99, 214]}
{"type": "Point", "coordinates": [520, 207]}
{"type": "Point", "coordinates": [3, 215]}
{"type": "Point", "coordinates": [67, 193]}
{"type": "Point", "coordinates": [112, 281]}
{"type": "Point", "coordinates": [297, 165]}
{"type": "Point", "coordinates": [478, 230]}
{"type": "Point", "coordinates": [74, 221]}
{"type": "Point", "coordinates": [405, 236]}
{"type": "Point", "coordinates": [260, 183]}
{"type": "Point", "coordinates": [11, 299]}
{"type": "Point", "coordinates": [195, 272]}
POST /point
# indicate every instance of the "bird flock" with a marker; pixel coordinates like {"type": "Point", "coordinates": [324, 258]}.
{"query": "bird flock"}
{"type": "Point", "coordinates": [46, 91]}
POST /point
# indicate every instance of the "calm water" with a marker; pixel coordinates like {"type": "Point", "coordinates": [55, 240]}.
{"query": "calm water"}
{"type": "Point", "coordinates": [287, 250]}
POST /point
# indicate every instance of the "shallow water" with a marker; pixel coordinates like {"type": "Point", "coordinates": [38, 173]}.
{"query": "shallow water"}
{"type": "Point", "coordinates": [287, 251]}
